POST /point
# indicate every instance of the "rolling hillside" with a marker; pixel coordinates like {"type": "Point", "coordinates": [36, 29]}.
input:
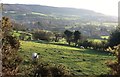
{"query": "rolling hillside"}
{"type": "Point", "coordinates": [79, 61]}
{"type": "Point", "coordinates": [58, 12]}
{"type": "Point", "coordinates": [59, 19]}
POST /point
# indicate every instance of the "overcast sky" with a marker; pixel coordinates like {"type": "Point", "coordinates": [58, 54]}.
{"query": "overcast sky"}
{"type": "Point", "coordinates": [108, 7]}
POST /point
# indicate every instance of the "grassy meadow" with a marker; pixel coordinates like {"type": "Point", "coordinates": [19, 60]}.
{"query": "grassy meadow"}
{"type": "Point", "coordinates": [79, 61]}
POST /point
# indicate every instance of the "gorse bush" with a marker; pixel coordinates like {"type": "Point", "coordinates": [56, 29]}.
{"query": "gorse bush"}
{"type": "Point", "coordinates": [115, 66]}
{"type": "Point", "coordinates": [10, 46]}
{"type": "Point", "coordinates": [46, 70]}
{"type": "Point", "coordinates": [114, 43]}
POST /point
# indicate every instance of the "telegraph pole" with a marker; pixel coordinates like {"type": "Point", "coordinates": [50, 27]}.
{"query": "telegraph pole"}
{"type": "Point", "coordinates": [1, 9]}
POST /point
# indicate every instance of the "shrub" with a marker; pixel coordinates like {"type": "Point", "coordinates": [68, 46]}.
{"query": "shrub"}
{"type": "Point", "coordinates": [48, 70]}
{"type": "Point", "coordinates": [95, 45]}
{"type": "Point", "coordinates": [43, 35]}
{"type": "Point", "coordinates": [114, 38]}
{"type": "Point", "coordinates": [52, 71]}
{"type": "Point", "coordinates": [10, 46]}
{"type": "Point", "coordinates": [115, 66]}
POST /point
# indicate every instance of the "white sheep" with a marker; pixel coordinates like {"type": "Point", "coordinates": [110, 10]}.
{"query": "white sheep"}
{"type": "Point", "coordinates": [35, 56]}
{"type": "Point", "coordinates": [81, 47]}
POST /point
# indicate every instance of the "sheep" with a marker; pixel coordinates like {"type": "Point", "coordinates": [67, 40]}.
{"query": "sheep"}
{"type": "Point", "coordinates": [81, 47]}
{"type": "Point", "coordinates": [35, 56]}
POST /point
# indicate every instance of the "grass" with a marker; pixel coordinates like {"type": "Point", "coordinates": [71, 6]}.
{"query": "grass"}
{"type": "Point", "coordinates": [106, 37]}
{"type": "Point", "coordinates": [16, 34]}
{"type": "Point", "coordinates": [79, 61]}
{"type": "Point", "coordinates": [20, 33]}
{"type": "Point", "coordinates": [39, 14]}
{"type": "Point", "coordinates": [97, 40]}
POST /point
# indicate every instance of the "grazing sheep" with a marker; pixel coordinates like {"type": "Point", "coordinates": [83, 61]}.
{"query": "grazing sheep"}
{"type": "Point", "coordinates": [35, 56]}
{"type": "Point", "coordinates": [81, 47]}
{"type": "Point", "coordinates": [91, 47]}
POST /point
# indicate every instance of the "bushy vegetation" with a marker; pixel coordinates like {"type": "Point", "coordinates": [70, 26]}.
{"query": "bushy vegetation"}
{"type": "Point", "coordinates": [39, 68]}
{"type": "Point", "coordinates": [114, 43]}
{"type": "Point", "coordinates": [114, 38]}
{"type": "Point", "coordinates": [115, 65]}
{"type": "Point", "coordinates": [43, 35]}
{"type": "Point", "coordinates": [96, 45]}
{"type": "Point", "coordinates": [47, 70]}
{"type": "Point", "coordinates": [10, 45]}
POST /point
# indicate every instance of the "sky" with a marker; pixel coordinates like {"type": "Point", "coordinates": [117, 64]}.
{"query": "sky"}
{"type": "Point", "coordinates": [108, 7]}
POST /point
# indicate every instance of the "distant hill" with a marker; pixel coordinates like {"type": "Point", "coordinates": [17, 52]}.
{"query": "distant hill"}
{"type": "Point", "coordinates": [55, 18]}
{"type": "Point", "coordinates": [50, 10]}
{"type": "Point", "coordinates": [58, 11]}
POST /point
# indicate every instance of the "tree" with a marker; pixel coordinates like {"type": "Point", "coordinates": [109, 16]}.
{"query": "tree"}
{"type": "Point", "coordinates": [10, 46]}
{"type": "Point", "coordinates": [57, 36]}
{"type": "Point", "coordinates": [114, 38]}
{"type": "Point", "coordinates": [68, 35]}
{"type": "Point", "coordinates": [77, 36]}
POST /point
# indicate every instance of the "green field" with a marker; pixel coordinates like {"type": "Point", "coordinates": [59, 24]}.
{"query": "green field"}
{"type": "Point", "coordinates": [79, 61]}
{"type": "Point", "coordinates": [105, 37]}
